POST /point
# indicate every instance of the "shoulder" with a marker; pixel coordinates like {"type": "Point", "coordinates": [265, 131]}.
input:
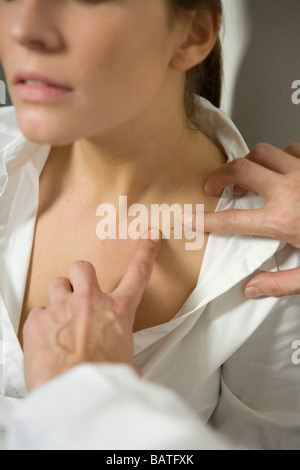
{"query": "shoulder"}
{"type": "Point", "coordinates": [9, 129]}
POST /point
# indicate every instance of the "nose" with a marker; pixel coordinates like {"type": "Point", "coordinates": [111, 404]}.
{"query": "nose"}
{"type": "Point", "coordinates": [35, 28]}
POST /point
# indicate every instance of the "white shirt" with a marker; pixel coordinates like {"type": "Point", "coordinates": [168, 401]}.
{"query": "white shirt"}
{"type": "Point", "coordinates": [228, 357]}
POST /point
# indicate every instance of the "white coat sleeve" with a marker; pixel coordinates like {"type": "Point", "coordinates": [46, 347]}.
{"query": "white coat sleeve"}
{"type": "Point", "coordinates": [106, 407]}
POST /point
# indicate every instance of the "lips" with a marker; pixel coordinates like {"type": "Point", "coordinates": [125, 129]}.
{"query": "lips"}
{"type": "Point", "coordinates": [33, 78]}
{"type": "Point", "coordinates": [39, 83]}
{"type": "Point", "coordinates": [35, 87]}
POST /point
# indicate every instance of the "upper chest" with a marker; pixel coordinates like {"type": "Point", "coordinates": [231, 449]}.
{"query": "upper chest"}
{"type": "Point", "coordinates": [66, 233]}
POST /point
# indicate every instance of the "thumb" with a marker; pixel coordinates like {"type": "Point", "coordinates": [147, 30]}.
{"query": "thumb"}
{"type": "Point", "coordinates": [279, 284]}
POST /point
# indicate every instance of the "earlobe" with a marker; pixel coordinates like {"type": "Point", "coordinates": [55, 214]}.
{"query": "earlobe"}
{"type": "Point", "coordinates": [199, 41]}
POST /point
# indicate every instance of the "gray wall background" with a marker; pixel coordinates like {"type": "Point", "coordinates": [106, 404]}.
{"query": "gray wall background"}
{"type": "Point", "coordinates": [261, 40]}
{"type": "Point", "coordinates": [262, 59]}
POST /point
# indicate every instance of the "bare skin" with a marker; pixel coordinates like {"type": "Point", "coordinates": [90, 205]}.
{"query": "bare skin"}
{"type": "Point", "coordinates": [66, 232]}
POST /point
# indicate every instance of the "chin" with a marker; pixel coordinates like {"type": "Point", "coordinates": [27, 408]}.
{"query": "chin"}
{"type": "Point", "coordinates": [44, 127]}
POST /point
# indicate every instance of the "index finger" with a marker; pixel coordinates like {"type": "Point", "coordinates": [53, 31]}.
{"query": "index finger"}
{"type": "Point", "coordinates": [138, 273]}
{"type": "Point", "coordinates": [246, 222]}
{"type": "Point", "coordinates": [281, 161]}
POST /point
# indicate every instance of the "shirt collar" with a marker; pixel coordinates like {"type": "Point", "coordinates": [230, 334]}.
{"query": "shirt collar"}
{"type": "Point", "coordinates": [16, 155]}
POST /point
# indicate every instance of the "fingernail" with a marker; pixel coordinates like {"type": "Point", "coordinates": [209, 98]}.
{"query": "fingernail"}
{"type": "Point", "coordinates": [253, 293]}
{"type": "Point", "coordinates": [188, 219]}
{"type": "Point", "coordinates": [153, 235]}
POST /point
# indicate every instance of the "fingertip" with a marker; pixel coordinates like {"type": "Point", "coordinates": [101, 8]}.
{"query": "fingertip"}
{"type": "Point", "coordinates": [277, 284]}
{"type": "Point", "coordinates": [154, 235]}
{"type": "Point", "coordinates": [188, 219]}
{"type": "Point", "coordinates": [212, 190]}
{"type": "Point", "coordinates": [194, 221]}
{"type": "Point", "coordinates": [81, 265]}
{"type": "Point", "coordinates": [251, 292]}
{"type": "Point", "coordinates": [79, 269]}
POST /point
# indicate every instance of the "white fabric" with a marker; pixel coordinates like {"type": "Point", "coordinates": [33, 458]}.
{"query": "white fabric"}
{"type": "Point", "coordinates": [122, 412]}
{"type": "Point", "coordinates": [217, 334]}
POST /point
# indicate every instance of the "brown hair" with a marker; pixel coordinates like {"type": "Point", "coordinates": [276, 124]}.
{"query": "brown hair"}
{"type": "Point", "coordinates": [206, 78]}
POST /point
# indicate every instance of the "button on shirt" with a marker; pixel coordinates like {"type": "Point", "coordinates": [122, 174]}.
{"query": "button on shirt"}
{"type": "Point", "coordinates": [228, 357]}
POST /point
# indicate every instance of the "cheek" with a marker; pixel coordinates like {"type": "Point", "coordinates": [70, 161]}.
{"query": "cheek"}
{"type": "Point", "coordinates": [121, 74]}
{"type": "Point", "coordinates": [8, 13]}
{"type": "Point", "coordinates": [5, 47]}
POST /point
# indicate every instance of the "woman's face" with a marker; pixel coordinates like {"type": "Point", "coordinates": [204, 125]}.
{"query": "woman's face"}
{"type": "Point", "coordinates": [81, 68]}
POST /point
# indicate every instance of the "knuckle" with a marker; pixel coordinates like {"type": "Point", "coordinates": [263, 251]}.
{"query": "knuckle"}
{"type": "Point", "coordinates": [85, 302]}
{"type": "Point", "coordinates": [229, 219]}
{"type": "Point", "coordinates": [278, 222]}
{"type": "Point", "coordinates": [274, 288]}
{"type": "Point", "coordinates": [261, 149]}
{"type": "Point", "coordinates": [141, 266]}
{"type": "Point", "coordinates": [291, 187]}
{"type": "Point", "coordinates": [293, 149]}
{"type": "Point", "coordinates": [287, 198]}
{"type": "Point", "coordinates": [239, 165]}
{"type": "Point", "coordinates": [284, 225]}
{"type": "Point", "coordinates": [123, 304]}
{"type": "Point", "coordinates": [56, 280]}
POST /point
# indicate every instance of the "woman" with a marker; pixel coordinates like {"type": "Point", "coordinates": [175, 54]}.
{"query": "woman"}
{"type": "Point", "coordinates": [106, 92]}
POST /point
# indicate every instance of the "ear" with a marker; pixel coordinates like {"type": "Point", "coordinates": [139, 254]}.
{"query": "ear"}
{"type": "Point", "coordinates": [201, 33]}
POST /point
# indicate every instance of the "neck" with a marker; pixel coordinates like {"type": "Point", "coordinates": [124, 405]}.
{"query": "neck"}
{"type": "Point", "coordinates": [139, 159]}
